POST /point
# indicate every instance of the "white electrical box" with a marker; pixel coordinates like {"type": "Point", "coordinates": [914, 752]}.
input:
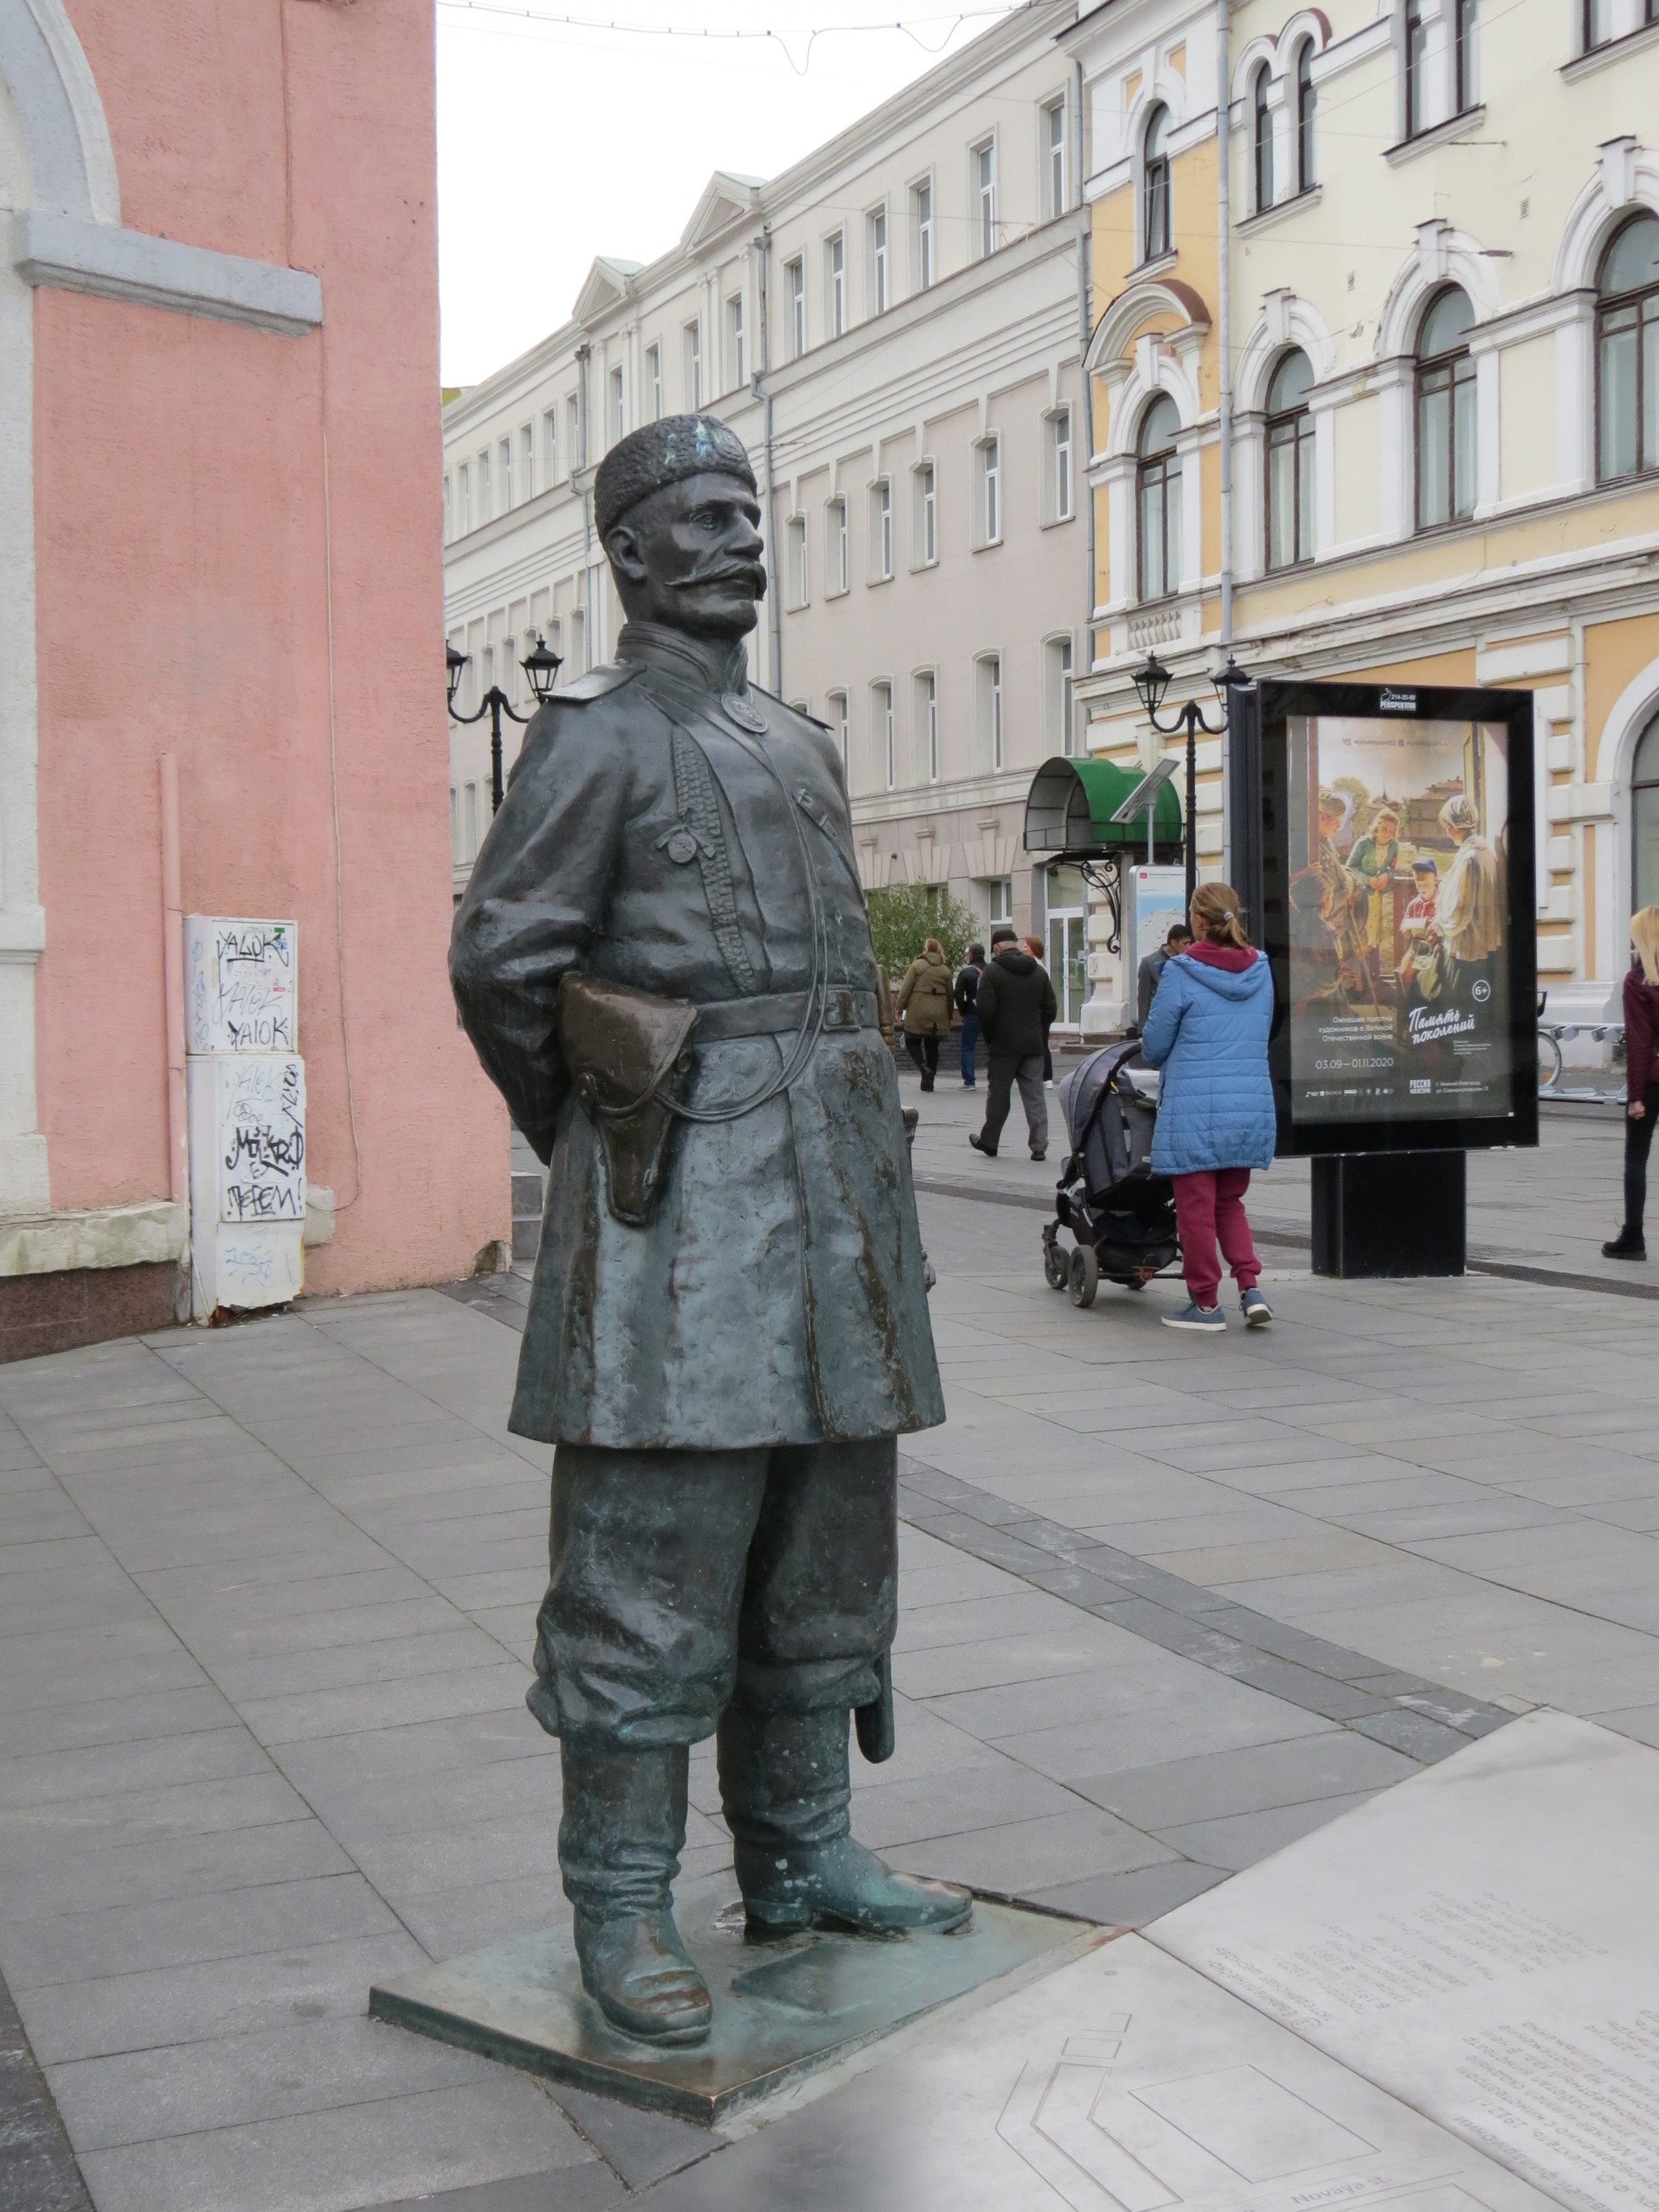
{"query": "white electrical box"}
{"type": "Point", "coordinates": [241, 985]}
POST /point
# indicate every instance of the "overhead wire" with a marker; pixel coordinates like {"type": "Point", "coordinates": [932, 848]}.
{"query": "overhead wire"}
{"type": "Point", "coordinates": [910, 26]}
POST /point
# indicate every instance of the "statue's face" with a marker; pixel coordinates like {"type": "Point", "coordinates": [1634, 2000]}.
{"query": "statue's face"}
{"type": "Point", "coordinates": [689, 558]}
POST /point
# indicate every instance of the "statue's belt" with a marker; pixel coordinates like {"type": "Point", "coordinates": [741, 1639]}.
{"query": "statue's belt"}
{"type": "Point", "coordinates": [782, 1013]}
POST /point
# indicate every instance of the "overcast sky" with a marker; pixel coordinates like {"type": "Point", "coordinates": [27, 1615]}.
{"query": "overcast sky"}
{"type": "Point", "coordinates": [557, 143]}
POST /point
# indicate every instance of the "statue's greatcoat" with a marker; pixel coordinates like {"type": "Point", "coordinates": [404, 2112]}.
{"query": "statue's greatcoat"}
{"type": "Point", "coordinates": [776, 1295]}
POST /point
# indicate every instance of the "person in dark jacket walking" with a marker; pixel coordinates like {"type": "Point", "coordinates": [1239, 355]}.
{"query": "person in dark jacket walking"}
{"type": "Point", "coordinates": [1207, 1030]}
{"type": "Point", "coordinates": [924, 1007]}
{"type": "Point", "coordinates": [1146, 977]}
{"type": "Point", "coordinates": [1641, 1080]}
{"type": "Point", "coordinates": [967, 998]}
{"type": "Point", "coordinates": [1016, 1008]}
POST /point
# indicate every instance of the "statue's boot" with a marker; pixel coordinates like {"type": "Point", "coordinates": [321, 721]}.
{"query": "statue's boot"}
{"type": "Point", "coordinates": [787, 1796]}
{"type": "Point", "coordinates": [620, 1841]}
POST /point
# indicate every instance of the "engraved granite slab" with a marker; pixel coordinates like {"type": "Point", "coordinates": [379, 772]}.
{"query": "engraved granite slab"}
{"type": "Point", "coordinates": [1123, 2082]}
{"type": "Point", "coordinates": [781, 2009]}
{"type": "Point", "coordinates": [1482, 1941]}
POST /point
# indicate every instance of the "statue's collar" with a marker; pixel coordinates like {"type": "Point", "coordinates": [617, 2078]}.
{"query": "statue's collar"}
{"type": "Point", "coordinates": [707, 665]}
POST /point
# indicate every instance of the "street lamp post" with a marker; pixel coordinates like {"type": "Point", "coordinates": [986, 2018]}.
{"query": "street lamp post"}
{"type": "Point", "coordinates": [541, 666]}
{"type": "Point", "coordinates": [1152, 682]}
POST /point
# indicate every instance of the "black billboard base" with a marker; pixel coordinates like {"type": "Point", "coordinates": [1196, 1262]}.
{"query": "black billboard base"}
{"type": "Point", "coordinates": [1389, 1213]}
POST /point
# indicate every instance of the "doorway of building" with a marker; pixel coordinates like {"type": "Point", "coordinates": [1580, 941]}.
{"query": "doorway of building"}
{"type": "Point", "coordinates": [1068, 945]}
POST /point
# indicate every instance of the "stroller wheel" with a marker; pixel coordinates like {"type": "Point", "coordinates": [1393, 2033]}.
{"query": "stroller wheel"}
{"type": "Point", "coordinates": [1086, 1275]}
{"type": "Point", "coordinates": [1055, 1272]}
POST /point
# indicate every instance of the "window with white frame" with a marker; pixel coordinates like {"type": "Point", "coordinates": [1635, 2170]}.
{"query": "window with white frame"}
{"type": "Point", "coordinates": [1290, 461]}
{"type": "Point", "coordinates": [463, 500]}
{"type": "Point", "coordinates": [800, 579]}
{"type": "Point", "coordinates": [1261, 138]}
{"type": "Point", "coordinates": [1466, 54]}
{"type": "Point", "coordinates": [924, 691]}
{"type": "Point", "coordinates": [835, 712]}
{"type": "Point", "coordinates": [1307, 102]}
{"type": "Point", "coordinates": [449, 520]}
{"type": "Point", "coordinates": [691, 363]}
{"type": "Point", "coordinates": [1445, 411]}
{"type": "Point", "coordinates": [1157, 500]}
{"type": "Point", "coordinates": [881, 531]}
{"type": "Point", "coordinates": [1054, 157]}
{"type": "Point", "coordinates": [992, 899]}
{"type": "Point", "coordinates": [835, 284]}
{"type": "Point", "coordinates": [1627, 353]}
{"type": "Point", "coordinates": [1057, 714]}
{"type": "Point", "coordinates": [987, 470]}
{"type": "Point", "coordinates": [988, 712]}
{"type": "Point", "coordinates": [573, 424]}
{"type": "Point", "coordinates": [469, 824]}
{"type": "Point", "coordinates": [1057, 439]}
{"type": "Point", "coordinates": [527, 461]}
{"type": "Point", "coordinates": [504, 474]}
{"type": "Point", "coordinates": [1601, 23]}
{"type": "Point", "coordinates": [455, 852]}
{"type": "Point", "coordinates": [487, 670]}
{"type": "Point", "coordinates": [881, 735]}
{"type": "Point", "coordinates": [615, 424]}
{"type": "Point", "coordinates": [1416, 33]}
{"type": "Point", "coordinates": [924, 531]}
{"type": "Point", "coordinates": [510, 670]}
{"type": "Point", "coordinates": [875, 225]}
{"type": "Point", "coordinates": [578, 641]}
{"type": "Point", "coordinates": [922, 267]}
{"type": "Point", "coordinates": [837, 571]}
{"type": "Point", "coordinates": [795, 273]}
{"type": "Point", "coordinates": [737, 366]}
{"type": "Point", "coordinates": [486, 507]}
{"type": "Point", "coordinates": [550, 448]}
{"type": "Point", "coordinates": [983, 159]}
{"type": "Point", "coordinates": [1155, 215]}
{"type": "Point", "coordinates": [654, 380]}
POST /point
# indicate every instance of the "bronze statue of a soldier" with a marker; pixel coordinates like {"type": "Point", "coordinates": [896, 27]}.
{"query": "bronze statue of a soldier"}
{"type": "Point", "coordinates": [663, 960]}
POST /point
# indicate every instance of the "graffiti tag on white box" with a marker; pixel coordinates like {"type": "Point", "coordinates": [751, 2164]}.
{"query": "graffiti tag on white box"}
{"type": "Point", "coordinates": [242, 984]}
{"type": "Point", "coordinates": [262, 1140]}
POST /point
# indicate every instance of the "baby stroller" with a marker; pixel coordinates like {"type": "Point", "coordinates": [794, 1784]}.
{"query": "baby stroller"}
{"type": "Point", "coordinates": [1122, 1215]}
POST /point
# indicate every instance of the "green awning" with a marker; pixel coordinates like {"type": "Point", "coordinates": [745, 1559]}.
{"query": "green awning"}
{"type": "Point", "coordinates": [1070, 806]}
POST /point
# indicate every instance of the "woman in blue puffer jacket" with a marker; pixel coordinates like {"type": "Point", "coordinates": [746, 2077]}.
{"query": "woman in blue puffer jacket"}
{"type": "Point", "coordinates": [1207, 1030]}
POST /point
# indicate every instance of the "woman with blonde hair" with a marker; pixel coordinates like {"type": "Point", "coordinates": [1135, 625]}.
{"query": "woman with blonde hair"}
{"type": "Point", "coordinates": [924, 1007]}
{"type": "Point", "coordinates": [1207, 1030]}
{"type": "Point", "coordinates": [1641, 1079]}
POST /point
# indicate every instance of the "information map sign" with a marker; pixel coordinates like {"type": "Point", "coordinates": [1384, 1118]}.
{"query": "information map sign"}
{"type": "Point", "coordinates": [1396, 859]}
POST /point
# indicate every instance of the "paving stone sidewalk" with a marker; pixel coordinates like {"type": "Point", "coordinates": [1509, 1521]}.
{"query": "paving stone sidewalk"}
{"type": "Point", "coordinates": [265, 1604]}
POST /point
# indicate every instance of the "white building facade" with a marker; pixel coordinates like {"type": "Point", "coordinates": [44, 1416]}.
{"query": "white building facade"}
{"type": "Point", "coordinates": [895, 327]}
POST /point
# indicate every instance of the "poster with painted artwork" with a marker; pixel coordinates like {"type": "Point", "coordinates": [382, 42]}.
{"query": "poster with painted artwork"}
{"type": "Point", "coordinates": [261, 1138]}
{"type": "Point", "coordinates": [1398, 853]}
{"type": "Point", "coordinates": [241, 984]}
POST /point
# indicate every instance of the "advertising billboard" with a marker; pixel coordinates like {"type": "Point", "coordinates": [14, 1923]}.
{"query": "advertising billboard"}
{"type": "Point", "coordinates": [1397, 856]}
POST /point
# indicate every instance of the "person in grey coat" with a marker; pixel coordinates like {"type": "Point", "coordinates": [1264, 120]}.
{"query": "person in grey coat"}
{"type": "Point", "coordinates": [727, 1330]}
{"type": "Point", "coordinates": [1152, 968]}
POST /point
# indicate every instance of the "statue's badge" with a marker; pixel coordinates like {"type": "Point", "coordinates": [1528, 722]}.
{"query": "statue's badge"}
{"type": "Point", "coordinates": [682, 848]}
{"type": "Point", "coordinates": [738, 710]}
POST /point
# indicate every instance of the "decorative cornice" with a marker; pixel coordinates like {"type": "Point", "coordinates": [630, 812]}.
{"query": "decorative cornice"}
{"type": "Point", "coordinates": [78, 256]}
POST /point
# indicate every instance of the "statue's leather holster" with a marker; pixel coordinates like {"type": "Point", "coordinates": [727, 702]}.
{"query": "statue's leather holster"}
{"type": "Point", "coordinates": [625, 1051]}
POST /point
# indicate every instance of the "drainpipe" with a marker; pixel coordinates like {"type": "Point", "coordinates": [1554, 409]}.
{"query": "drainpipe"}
{"type": "Point", "coordinates": [172, 969]}
{"type": "Point", "coordinates": [1085, 332]}
{"type": "Point", "coordinates": [775, 611]}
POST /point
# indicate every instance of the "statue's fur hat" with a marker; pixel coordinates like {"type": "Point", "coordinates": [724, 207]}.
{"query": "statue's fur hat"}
{"type": "Point", "coordinates": [665, 453]}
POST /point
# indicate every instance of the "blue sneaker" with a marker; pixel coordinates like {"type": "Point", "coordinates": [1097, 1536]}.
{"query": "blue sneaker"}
{"type": "Point", "coordinates": [1210, 1319]}
{"type": "Point", "coordinates": [1257, 1312]}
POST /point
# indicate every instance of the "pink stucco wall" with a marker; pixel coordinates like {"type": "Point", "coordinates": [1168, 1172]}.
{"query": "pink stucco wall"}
{"type": "Point", "coordinates": [183, 541]}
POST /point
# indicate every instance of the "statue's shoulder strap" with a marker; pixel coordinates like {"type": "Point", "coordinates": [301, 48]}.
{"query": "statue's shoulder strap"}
{"type": "Point", "coordinates": [799, 713]}
{"type": "Point", "coordinates": [607, 675]}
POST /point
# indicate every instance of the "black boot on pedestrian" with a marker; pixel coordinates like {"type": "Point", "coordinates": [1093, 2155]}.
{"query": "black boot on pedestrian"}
{"type": "Point", "coordinates": [926, 1080]}
{"type": "Point", "coordinates": [787, 1793]}
{"type": "Point", "coordinates": [620, 1839]}
{"type": "Point", "coordinates": [1625, 1246]}
{"type": "Point", "coordinates": [980, 1144]}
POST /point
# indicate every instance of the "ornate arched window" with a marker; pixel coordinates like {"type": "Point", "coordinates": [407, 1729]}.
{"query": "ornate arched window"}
{"type": "Point", "coordinates": [1644, 819]}
{"type": "Point", "coordinates": [1158, 500]}
{"type": "Point", "coordinates": [1306, 99]}
{"type": "Point", "coordinates": [1445, 411]}
{"type": "Point", "coordinates": [1627, 353]}
{"type": "Point", "coordinates": [1155, 232]}
{"type": "Point", "coordinates": [1290, 463]}
{"type": "Point", "coordinates": [1262, 137]}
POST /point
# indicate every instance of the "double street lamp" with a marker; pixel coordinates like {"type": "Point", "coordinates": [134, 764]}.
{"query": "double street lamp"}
{"type": "Point", "coordinates": [541, 664]}
{"type": "Point", "coordinates": [1152, 682]}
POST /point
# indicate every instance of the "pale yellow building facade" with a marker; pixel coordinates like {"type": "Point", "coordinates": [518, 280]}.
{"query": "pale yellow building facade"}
{"type": "Point", "coordinates": [1442, 263]}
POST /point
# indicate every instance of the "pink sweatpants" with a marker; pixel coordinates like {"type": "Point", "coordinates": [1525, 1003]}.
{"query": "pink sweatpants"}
{"type": "Point", "coordinates": [1208, 1205]}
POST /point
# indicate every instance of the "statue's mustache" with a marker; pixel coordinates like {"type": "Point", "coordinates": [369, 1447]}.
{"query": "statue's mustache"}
{"type": "Point", "coordinates": [752, 572]}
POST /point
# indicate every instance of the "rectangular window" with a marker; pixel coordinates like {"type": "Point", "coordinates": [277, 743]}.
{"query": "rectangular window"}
{"type": "Point", "coordinates": [921, 234]}
{"type": "Point", "coordinates": [550, 448]}
{"type": "Point", "coordinates": [736, 366]}
{"type": "Point", "coordinates": [448, 516]}
{"type": "Point", "coordinates": [485, 509]}
{"type": "Point", "coordinates": [834, 709]}
{"type": "Point", "coordinates": [615, 426]}
{"type": "Point", "coordinates": [1445, 442]}
{"type": "Point", "coordinates": [925, 531]}
{"type": "Point", "coordinates": [988, 712]}
{"type": "Point", "coordinates": [1053, 148]}
{"type": "Point", "coordinates": [927, 713]}
{"type": "Point", "coordinates": [985, 197]}
{"type": "Point", "coordinates": [1467, 55]}
{"type": "Point", "coordinates": [1057, 714]}
{"type": "Point", "coordinates": [463, 500]}
{"type": "Point", "coordinates": [528, 460]}
{"type": "Point", "coordinates": [796, 273]}
{"type": "Point", "coordinates": [881, 531]}
{"type": "Point", "coordinates": [1059, 425]}
{"type": "Point", "coordinates": [1416, 53]}
{"type": "Point", "coordinates": [504, 473]}
{"type": "Point", "coordinates": [1598, 23]}
{"type": "Point", "coordinates": [691, 351]}
{"type": "Point", "coordinates": [834, 547]}
{"type": "Point", "coordinates": [654, 381]}
{"type": "Point", "coordinates": [881, 732]}
{"type": "Point", "coordinates": [992, 898]}
{"type": "Point", "coordinates": [578, 641]}
{"type": "Point", "coordinates": [510, 670]}
{"type": "Point", "coordinates": [455, 852]}
{"type": "Point", "coordinates": [470, 825]}
{"type": "Point", "coordinates": [800, 579]}
{"type": "Point", "coordinates": [996, 711]}
{"type": "Point", "coordinates": [877, 242]}
{"type": "Point", "coordinates": [988, 459]}
{"type": "Point", "coordinates": [835, 284]}
{"type": "Point", "coordinates": [572, 423]}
